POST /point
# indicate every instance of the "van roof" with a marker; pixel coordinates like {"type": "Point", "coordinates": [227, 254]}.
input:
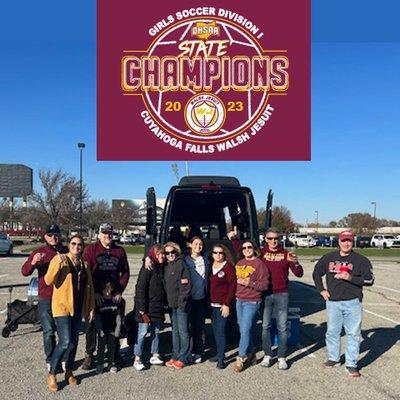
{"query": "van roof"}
{"type": "Point", "coordinates": [199, 180]}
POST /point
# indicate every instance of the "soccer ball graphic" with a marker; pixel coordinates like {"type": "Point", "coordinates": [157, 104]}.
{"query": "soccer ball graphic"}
{"type": "Point", "coordinates": [227, 113]}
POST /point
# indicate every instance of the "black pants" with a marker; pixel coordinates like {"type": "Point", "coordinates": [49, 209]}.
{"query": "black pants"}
{"type": "Point", "coordinates": [109, 341]}
{"type": "Point", "coordinates": [90, 338]}
{"type": "Point", "coordinates": [197, 319]}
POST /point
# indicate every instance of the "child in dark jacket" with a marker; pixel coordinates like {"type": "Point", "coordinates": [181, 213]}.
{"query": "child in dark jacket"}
{"type": "Point", "coordinates": [150, 300]}
{"type": "Point", "coordinates": [108, 324]}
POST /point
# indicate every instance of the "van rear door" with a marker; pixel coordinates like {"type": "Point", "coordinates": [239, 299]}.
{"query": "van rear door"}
{"type": "Point", "coordinates": [268, 210]}
{"type": "Point", "coordinates": [151, 220]}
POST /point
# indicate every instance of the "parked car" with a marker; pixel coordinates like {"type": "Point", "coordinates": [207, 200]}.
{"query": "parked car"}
{"type": "Point", "coordinates": [127, 239]}
{"type": "Point", "coordinates": [385, 241]}
{"type": "Point", "coordinates": [302, 240]}
{"type": "Point", "coordinates": [116, 237]}
{"type": "Point", "coordinates": [323, 241]}
{"type": "Point", "coordinates": [6, 244]}
{"type": "Point", "coordinates": [362, 241]}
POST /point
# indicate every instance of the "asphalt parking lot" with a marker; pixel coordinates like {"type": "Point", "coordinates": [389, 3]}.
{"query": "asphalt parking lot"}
{"type": "Point", "coordinates": [23, 374]}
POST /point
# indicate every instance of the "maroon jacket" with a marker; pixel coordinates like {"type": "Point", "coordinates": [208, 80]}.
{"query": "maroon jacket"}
{"type": "Point", "coordinates": [258, 273]}
{"type": "Point", "coordinates": [278, 266]}
{"type": "Point", "coordinates": [107, 264]}
{"type": "Point", "coordinates": [27, 269]}
{"type": "Point", "coordinates": [222, 286]}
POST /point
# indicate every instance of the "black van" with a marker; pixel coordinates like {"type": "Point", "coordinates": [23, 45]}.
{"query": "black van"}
{"type": "Point", "coordinates": [208, 206]}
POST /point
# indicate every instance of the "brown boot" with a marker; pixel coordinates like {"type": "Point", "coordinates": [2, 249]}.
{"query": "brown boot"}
{"type": "Point", "coordinates": [239, 364]}
{"type": "Point", "coordinates": [69, 377]}
{"type": "Point", "coordinates": [52, 383]}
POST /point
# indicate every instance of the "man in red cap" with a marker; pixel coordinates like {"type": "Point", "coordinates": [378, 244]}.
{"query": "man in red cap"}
{"type": "Point", "coordinates": [346, 273]}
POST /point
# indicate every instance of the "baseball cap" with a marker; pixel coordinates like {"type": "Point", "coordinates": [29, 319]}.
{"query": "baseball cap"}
{"type": "Point", "coordinates": [346, 235]}
{"type": "Point", "coordinates": [106, 227]}
{"type": "Point", "coordinates": [55, 229]}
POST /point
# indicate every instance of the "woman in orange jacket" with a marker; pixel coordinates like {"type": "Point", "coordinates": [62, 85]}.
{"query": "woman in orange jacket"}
{"type": "Point", "coordinates": [72, 300]}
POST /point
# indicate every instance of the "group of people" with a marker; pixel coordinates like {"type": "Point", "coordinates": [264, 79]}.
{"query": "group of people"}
{"type": "Point", "coordinates": [190, 284]}
{"type": "Point", "coordinates": [75, 284]}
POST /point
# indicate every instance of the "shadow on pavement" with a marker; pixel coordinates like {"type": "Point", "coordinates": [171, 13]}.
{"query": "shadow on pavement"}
{"type": "Point", "coordinates": [377, 342]}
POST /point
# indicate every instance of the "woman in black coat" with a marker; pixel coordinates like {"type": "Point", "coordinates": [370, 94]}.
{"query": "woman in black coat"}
{"type": "Point", "coordinates": [150, 299]}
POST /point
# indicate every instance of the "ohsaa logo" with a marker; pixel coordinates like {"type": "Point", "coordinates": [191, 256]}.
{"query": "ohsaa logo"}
{"type": "Point", "coordinates": [206, 82]}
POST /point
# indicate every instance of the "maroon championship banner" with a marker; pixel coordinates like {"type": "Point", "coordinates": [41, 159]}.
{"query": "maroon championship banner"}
{"type": "Point", "coordinates": [215, 80]}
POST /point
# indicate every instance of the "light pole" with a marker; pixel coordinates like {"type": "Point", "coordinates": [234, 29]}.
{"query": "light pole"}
{"type": "Point", "coordinates": [187, 167]}
{"type": "Point", "coordinates": [81, 146]}
{"type": "Point", "coordinates": [374, 203]}
{"type": "Point", "coordinates": [316, 218]}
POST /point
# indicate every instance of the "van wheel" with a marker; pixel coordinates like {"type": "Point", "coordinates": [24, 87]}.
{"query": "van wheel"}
{"type": "Point", "coordinates": [384, 245]}
{"type": "Point", "coordinates": [373, 244]}
{"type": "Point", "coordinates": [10, 251]}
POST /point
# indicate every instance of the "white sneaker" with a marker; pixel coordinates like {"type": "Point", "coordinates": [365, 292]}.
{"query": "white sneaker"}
{"type": "Point", "coordinates": [138, 365]}
{"type": "Point", "coordinates": [196, 358]}
{"type": "Point", "coordinates": [282, 364]}
{"type": "Point", "coordinates": [156, 360]}
{"type": "Point", "coordinates": [266, 362]}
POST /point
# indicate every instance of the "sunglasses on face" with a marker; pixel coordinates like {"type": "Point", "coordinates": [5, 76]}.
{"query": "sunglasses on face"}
{"type": "Point", "coordinates": [107, 233]}
{"type": "Point", "coordinates": [168, 253]}
{"type": "Point", "coordinates": [218, 252]}
{"type": "Point", "coordinates": [246, 247]}
{"type": "Point", "coordinates": [272, 238]}
{"type": "Point", "coordinates": [52, 235]}
{"type": "Point", "coordinates": [76, 244]}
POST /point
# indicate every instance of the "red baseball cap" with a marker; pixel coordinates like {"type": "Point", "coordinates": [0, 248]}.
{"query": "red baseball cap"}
{"type": "Point", "coordinates": [346, 235]}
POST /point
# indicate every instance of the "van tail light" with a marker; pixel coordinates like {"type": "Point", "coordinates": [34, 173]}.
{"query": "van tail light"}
{"type": "Point", "coordinates": [211, 186]}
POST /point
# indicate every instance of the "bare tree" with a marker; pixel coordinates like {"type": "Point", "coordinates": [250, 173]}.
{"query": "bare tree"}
{"type": "Point", "coordinates": [360, 222]}
{"type": "Point", "coordinates": [281, 219]}
{"type": "Point", "coordinates": [59, 201]}
{"type": "Point", "coordinates": [4, 211]}
{"type": "Point", "coordinates": [122, 216]}
{"type": "Point", "coordinates": [97, 212]}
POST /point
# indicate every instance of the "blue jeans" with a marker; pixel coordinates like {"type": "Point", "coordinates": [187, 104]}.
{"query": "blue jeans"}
{"type": "Point", "coordinates": [68, 329]}
{"type": "Point", "coordinates": [346, 314]}
{"type": "Point", "coordinates": [277, 303]}
{"type": "Point", "coordinates": [219, 325]}
{"type": "Point", "coordinates": [154, 336]}
{"type": "Point", "coordinates": [246, 315]}
{"type": "Point", "coordinates": [49, 327]}
{"type": "Point", "coordinates": [197, 317]}
{"type": "Point", "coordinates": [180, 335]}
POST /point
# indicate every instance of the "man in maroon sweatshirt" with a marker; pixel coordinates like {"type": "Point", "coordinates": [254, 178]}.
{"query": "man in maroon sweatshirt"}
{"type": "Point", "coordinates": [278, 261]}
{"type": "Point", "coordinates": [108, 262]}
{"type": "Point", "coordinates": [39, 260]}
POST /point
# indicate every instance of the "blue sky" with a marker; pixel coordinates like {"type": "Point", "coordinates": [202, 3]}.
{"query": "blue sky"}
{"type": "Point", "coordinates": [48, 105]}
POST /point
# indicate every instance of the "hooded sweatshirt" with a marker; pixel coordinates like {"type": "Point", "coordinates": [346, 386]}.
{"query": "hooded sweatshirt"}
{"type": "Point", "coordinates": [258, 273]}
{"type": "Point", "coordinates": [45, 291]}
{"type": "Point", "coordinates": [278, 266]}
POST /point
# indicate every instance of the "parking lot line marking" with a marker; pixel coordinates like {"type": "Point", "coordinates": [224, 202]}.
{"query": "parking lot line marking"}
{"type": "Point", "coordinates": [367, 311]}
{"type": "Point", "coordinates": [305, 350]}
{"type": "Point", "coordinates": [4, 275]}
{"type": "Point", "coordinates": [381, 316]}
{"type": "Point", "coordinates": [3, 311]}
{"type": "Point", "coordinates": [387, 288]}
